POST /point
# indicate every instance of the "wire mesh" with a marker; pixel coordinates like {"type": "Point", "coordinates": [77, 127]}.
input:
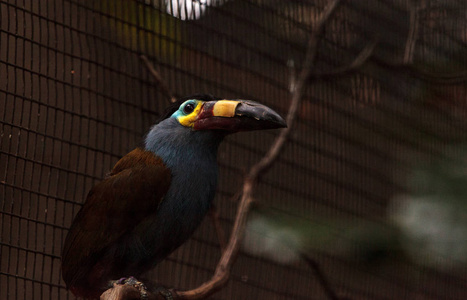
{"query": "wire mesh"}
{"type": "Point", "coordinates": [75, 96]}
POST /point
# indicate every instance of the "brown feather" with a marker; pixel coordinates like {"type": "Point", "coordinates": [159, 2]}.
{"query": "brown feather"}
{"type": "Point", "coordinates": [114, 207]}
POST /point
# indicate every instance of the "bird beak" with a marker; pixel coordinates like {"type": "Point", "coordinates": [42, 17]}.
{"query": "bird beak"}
{"type": "Point", "coordinates": [237, 115]}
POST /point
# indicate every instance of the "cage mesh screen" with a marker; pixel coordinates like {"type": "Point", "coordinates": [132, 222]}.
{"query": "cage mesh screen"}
{"type": "Point", "coordinates": [75, 96]}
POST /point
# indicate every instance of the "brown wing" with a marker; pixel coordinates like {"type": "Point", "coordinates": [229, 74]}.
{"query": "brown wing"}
{"type": "Point", "coordinates": [133, 190]}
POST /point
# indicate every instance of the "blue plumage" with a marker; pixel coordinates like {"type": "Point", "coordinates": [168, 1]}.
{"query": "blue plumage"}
{"type": "Point", "coordinates": [191, 156]}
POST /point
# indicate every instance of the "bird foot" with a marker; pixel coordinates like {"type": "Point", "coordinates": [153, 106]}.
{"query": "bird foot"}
{"type": "Point", "coordinates": [143, 291]}
{"type": "Point", "coordinates": [167, 294]}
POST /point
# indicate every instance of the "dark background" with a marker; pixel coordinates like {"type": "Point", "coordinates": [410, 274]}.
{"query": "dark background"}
{"type": "Point", "coordinates": [75, 96]}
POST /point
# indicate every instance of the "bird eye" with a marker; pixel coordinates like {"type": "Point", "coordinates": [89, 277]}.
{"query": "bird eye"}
{"type": "Point", "coordinates": [189, 108]}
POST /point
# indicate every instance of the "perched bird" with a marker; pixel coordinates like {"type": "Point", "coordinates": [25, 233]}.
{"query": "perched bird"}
{"type": "Point", "coordinates": [155, 196]}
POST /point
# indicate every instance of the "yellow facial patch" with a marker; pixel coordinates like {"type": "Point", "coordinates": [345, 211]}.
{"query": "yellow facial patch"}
{"type": "Point", "coordinates": [190, 119]}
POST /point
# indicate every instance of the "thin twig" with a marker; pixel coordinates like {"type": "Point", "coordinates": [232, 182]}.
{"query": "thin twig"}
{"type": "Point", "coordinates": [423, 73]}
{"type": "Point", "coordinates": [407, 64]}
{"type": "Point", "coordinates": [293, 74]}
{"type": "Point", "coordinates": [324, 282]}
{"type": "Point", "coordinates": [412, 35]}
{"type": "Point", "coordinates": [439, 77]}
{"type": "Point", "coordinates": [158, 79]}
{"type": "Point", "coordinates": [224, 266]}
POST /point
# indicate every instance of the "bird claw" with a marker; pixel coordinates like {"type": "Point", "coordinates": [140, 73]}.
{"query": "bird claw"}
{"type": "Point", "coordinates": [165, 293]}
{"type": "Point", "coordinates": [143, 291]}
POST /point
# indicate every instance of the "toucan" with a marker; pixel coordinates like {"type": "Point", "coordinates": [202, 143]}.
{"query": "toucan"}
{"type": "Point", "coordinates": [157, 195]}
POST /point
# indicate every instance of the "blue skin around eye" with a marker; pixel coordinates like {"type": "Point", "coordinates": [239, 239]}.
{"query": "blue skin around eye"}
{"type": "Point", "coordinates": [179, 112]}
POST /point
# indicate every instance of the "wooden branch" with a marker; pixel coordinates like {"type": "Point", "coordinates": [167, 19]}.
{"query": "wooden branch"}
{"type": "Point", "coordinates": [121, 291]}
{"type": "Point", "coordinates": [158, 79]}
{"type": "Point", "coordinates": [127, 292]}
{"type": "Point", "coordinates": [224, 266]}
{"type": "Point", "coordinates": [214, 214]}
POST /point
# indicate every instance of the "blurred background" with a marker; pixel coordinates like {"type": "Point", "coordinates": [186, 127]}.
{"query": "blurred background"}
{"type": "Point", "coordinates": [372, 185]}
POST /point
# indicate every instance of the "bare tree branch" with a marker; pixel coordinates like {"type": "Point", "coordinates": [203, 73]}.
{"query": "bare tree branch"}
{"type": "Point", "coordinates": [121, 291]}
{"type": "Point", "coordinates": [214, 214]}
{"type": "Point", "coordinates": [439, 77]}
{"type": "Point", "coordinates": [423, 73]}
{"type": "Point", "coordinates": [158, 79]}
{"type": "Point", "coordinates": [224, 266]}
{"type": "Point", "coordinates": [130, 292]}
{"type": "Point", "coordinates": [407, 64]}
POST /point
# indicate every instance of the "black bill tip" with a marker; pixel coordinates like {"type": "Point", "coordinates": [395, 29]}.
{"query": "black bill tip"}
{"type": "Point", "coordinates": [258, 116]}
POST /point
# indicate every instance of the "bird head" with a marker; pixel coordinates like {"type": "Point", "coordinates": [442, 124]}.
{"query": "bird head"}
{"type": "Point", "coordinates": [205, 112]}
{"type": "Point", "coordinates": [194, 126]}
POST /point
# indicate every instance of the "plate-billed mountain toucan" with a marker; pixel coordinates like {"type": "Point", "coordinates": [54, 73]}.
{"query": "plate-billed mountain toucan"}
{"type": "Point", "coordinates": [155, 196]}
